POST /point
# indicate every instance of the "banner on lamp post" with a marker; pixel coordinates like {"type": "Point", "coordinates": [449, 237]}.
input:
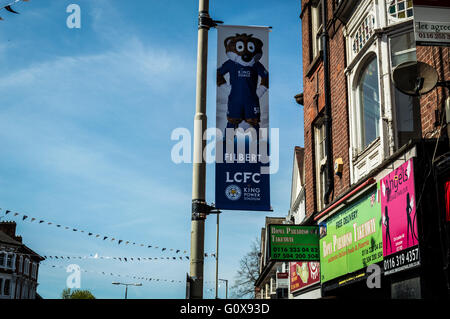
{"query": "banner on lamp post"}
{"type": "Point", "coordinates": [242, 119]}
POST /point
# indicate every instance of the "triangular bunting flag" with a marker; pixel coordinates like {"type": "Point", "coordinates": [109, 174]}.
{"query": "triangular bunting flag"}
{"type": "Point", "coordinates": [11, 9]}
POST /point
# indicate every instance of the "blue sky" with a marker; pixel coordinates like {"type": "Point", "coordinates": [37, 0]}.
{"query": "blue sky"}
{"type": "Point", "coordinates": [86, 119]}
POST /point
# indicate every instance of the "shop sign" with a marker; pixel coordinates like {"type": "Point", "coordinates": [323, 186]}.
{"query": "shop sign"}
{"type": "Point", "coordinates": [293, 243]}
{"type": "Point", "coordinates": [352, 239]}
{"type": "Point", "coordinates": [399, 219]}
{"type": "Point", "coordinates": [303, 275]}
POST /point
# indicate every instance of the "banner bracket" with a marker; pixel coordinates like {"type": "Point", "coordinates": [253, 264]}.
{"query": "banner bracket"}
{"type": "Point", "coordinates": [205, 21]}
{"type": "Point", "coordinates": [200, 209]}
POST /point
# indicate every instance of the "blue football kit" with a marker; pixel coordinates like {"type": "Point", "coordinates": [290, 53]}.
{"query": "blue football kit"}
{"type": "Point", "coordinates": [243, 103]}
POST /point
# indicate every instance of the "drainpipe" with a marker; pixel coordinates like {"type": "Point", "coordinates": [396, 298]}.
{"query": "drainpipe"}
{"type": "Point", "coordinates": [326, 70]}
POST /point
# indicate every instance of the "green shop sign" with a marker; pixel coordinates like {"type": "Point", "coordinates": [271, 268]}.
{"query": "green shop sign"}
{"type": "Point", "coordinates": [352, 239]}
{"type": "Point", "coordinates": [293, 243]}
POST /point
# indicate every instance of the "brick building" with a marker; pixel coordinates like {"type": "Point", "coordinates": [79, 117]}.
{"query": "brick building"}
{"type": "Point", "coordinates": [359, 131]}
{"type": "Point", "coordinates": [266, 286]}
{"type": "Point", "coordinates": [19, 265]}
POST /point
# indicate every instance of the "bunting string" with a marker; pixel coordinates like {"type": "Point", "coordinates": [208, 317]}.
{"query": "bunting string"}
{"type": "Point", "coordinates": [93, 234]}
{"type": "Point", "coordinates": [55, 258]}
{"type": "Point", "coordinates": [8, 7]}
{"type": "Point", "coordinates": [106, 273]}
{"type": "Point", "coordinates": [123, 259]}
{"type": "Point", "coordinates": [97, 257]}
{"type": "Point", "coordinates": [137, 277]}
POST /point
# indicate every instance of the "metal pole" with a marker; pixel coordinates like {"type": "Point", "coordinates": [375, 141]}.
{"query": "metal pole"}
{"type": "Point", "coordinates": [217, 255]}
{"type": "Point", "coordinates": [226, 287]}
{"type": "Point", "coordinates": [199, 166]}
{"type": "Point", "coordinates": [327, 117]}
{"type": "Point", "coordinates": [226, 291]}
{"type": "Point", "coordinates": [126, 291]}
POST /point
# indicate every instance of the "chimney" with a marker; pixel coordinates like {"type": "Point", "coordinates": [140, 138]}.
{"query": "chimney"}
{"type": "Point", "coordinates": [9, 228]}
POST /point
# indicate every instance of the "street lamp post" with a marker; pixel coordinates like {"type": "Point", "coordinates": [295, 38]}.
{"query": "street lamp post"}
{"type": "Point", "coordinates": [199, 206]}
{"type": "Point", "coordinates": [217, 253]}
{"type": "Point", "coordinates": [226, 287]}
{"type": "Point", "coordinates": [126, 286]}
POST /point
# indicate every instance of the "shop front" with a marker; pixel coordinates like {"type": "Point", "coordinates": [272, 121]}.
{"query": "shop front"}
{"type": "Point", "coordinates": [388, 236]}
{"type": "Point", "coordinates": [304, 280]}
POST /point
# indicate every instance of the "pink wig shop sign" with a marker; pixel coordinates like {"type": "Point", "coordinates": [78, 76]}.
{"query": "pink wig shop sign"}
{"type": "Point", "coordinates": [398, 209]}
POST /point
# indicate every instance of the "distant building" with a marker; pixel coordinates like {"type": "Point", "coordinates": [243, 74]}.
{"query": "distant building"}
{"type": "Point", "coordinates": [19, 265]}
{"type": "Point", "coordinates": [270, 283]}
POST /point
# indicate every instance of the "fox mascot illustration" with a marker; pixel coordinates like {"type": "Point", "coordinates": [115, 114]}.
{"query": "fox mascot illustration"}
{"type": "Point", "coordinates": [243, 91]}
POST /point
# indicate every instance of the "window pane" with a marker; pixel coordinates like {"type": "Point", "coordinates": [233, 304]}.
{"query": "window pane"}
{"type": "Point", "coordinates": [320, 156]}
{"type": "Point", "coordinates": [407, 108]}
{"type": "Point", "coordinates": [403, 48]}
{"type": "Point", "coordinates": [6, 289]}
{"type": "Point", "coordinates": [319, 14]}
{"type": "Point", "coordinates": [370, 103]}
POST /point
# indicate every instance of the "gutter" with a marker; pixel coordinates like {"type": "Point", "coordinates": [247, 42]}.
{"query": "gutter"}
{"type": "Point", "coordinates": [327, 117]}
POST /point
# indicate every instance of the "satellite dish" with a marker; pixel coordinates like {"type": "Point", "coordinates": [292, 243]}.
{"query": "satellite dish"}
{"type": "Point", "coordinates": [415, 78]}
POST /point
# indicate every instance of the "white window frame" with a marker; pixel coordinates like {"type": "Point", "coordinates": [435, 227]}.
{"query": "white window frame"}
{"type": "Point", "coordinates": [19, 290]}
{"type": "Point", "coordinates": [4, 286]}
{"type": "Point", "coordinates": [394, 19]}
{"type": "Point", "coordinates": [359, 119]}
{"type": "Point", "coordinates": [26, 270]}
{"type": "Point", "coordinates": [24, 290]}
{"type": "Point", "coordinates": [401, 31]}
{"type": "Point", "coordinates": [358, 18]}
{"type": "Point", "coordinates": [9, 260]}
{"type": "Point", "coordinates": [20, 270]}
{"type": "Point", "coordinates": [363, 159]}
{"type": "Point", "coordinates": [319, 162]}
{"type": "Point", "coordinates": [34, 270]}
{"type": "Point", "coordinates": [316, 28]}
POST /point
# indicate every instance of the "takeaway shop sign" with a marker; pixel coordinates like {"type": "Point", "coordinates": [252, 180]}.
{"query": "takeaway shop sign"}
{"type": "Point", "coordinates": [293, 243]}
{"type": "Point", "coordinates": [352, 239]}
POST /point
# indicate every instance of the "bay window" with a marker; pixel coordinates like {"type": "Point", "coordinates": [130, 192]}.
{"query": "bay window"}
{"type": "Point", "coordinates": [369, 103]}
{"type": "Point", "coordinates": [407, 108]}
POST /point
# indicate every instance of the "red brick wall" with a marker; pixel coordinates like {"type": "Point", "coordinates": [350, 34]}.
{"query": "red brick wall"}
{"type": "Point", "coordinates": [439, 58]}
{"type": "Point", "coordinates": [339, 109]}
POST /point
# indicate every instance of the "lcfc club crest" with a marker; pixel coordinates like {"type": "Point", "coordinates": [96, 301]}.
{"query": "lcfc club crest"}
{"type": "Point", "coordinates": [233, 192]}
